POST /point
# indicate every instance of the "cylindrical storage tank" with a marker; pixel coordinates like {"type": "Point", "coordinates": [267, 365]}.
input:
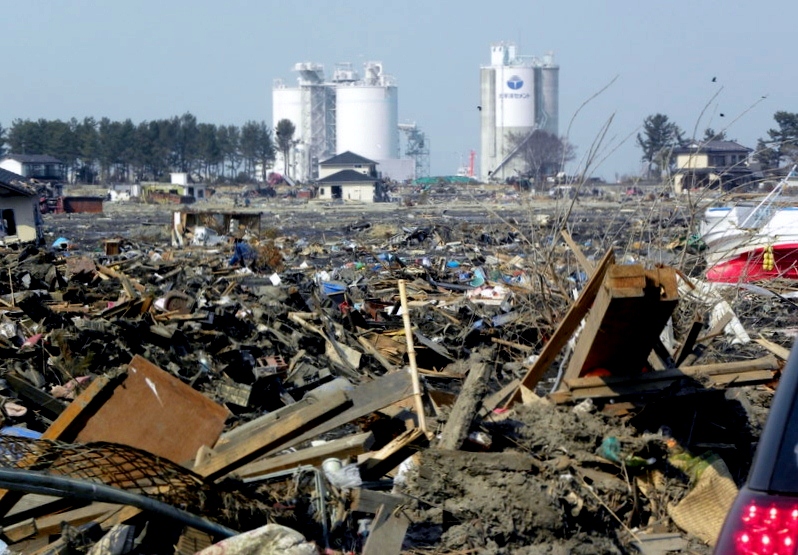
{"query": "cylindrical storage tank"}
{"type": "Point", "coordinates": [515, 97]}
{"type": "Point", "coordinates": [515, 113]}
{"type": "Point", "coordinates": [366, 121]}
{"type": "Point", "coordinates": [550, 103]}
{"type": "Point", "coordinates": [287, 104]}
{"type": "Point", "coordinates": [487, 121]}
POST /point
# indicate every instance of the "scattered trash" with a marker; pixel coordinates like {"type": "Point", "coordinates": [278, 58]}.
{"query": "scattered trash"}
{"type": "Point", "coordinates": [366, 387]}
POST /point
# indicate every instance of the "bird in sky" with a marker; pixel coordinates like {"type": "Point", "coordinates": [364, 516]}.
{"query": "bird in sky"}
{"type": "Point", "coordinates": [714, 79]}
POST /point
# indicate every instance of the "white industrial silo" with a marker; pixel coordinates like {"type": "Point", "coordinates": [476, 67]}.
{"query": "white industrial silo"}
{"type": "Point", "coordinates": [514, 103]}
{"type": "Point", "coordinates": [310, 106]}
{"type": "Point", "coordinates": [367, 115]}
{"type": "Point", "coordinates": [550, 95]}
{"type": "Point", "coordinates": [286, 104]}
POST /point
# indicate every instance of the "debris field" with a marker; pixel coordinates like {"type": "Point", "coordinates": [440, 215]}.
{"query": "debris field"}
{"type": "Point", "coordinates": [488, 378]}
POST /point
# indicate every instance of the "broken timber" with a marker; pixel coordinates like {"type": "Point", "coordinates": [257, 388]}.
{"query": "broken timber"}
{"type": "Point", "coordinates": [722, 374]}
{"type": "Point", "coordinates": [566, 328]}
{"type": "Point", "coordinates": [236, 454]}
{"type": "Point", "coordinates": [340, 449]}
{"type": "Point", "coordinates": [625, 322]}
{"type": "Point", "coordinates": [465, 407]}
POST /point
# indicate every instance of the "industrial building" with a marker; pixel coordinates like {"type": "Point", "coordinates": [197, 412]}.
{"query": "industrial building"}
{"type": "Point", "coordinates": [519, 95]}
{"type": "Point", "coordinates": [347, 113]}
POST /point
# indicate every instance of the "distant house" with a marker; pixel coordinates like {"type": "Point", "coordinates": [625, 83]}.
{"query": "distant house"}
{"type": "Point", "coordinates": [35, 166]}
{"type": "Point", "coordinates": [180, 190]}
{"type": "Point", "coordinates": [20, 220]}
{"type": "Point", "coordinates": [347, 161]}
{"type": "Point", "coordinates": [348, 176]}
{"type": "Point", "coordinates": [712, 164]}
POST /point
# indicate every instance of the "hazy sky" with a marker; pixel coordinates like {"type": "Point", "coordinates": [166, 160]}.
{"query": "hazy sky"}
{"type": "Point", "coordinates": [144, 59]}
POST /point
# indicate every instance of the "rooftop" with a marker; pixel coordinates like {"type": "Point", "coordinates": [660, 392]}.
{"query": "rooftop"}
{"type": "Point", "coordinates": [347, 176]}
{"type": "Point", "coordinates": [15, 183]}
{"type": "Point", "coordinates": [33, 158]}
{"type": "Point", "coordinates": [712, 146]}
{"type": "Point", "coordinates": [346, 159]}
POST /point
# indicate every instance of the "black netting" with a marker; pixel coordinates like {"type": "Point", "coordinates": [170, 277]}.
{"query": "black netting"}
{"type": "Point", "coordinates": [127, 468]}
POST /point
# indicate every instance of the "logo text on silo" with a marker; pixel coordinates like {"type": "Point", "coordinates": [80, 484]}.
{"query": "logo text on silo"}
{"type": "Point", "coordinates": [515, 82]}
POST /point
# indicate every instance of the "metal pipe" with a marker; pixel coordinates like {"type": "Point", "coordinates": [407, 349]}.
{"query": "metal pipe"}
{"type": "Point", "coordinates": [29, 481]}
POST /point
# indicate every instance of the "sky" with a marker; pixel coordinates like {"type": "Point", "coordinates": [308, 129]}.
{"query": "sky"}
{"type": "Point", "coordinates": [620, 61]}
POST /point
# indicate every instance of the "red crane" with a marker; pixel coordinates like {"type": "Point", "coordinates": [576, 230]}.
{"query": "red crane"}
{"type": "Point", "coordinates": [471, 157]}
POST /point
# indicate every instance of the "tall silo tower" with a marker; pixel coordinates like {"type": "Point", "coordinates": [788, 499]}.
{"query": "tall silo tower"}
{"type": "Point", "coordinates": [286, 104]}
{"type": "Point", "coordinates": [548, 117]}
{"type": "Point", "coordinates": [366, 113]}
{"type": "Point", "coordinates": [513, 105]}
{"type": "Point", "coordinates": [311, 108]}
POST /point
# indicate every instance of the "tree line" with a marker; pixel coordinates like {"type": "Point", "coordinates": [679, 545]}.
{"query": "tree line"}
{"type": "Point", "coordinates": [106, 151]}
{"type": "Point", "coordinates": [661, 137]}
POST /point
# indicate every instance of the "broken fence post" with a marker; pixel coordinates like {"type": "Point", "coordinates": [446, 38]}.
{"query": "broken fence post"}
{"type": "Point", "coordinates": [411, 355]}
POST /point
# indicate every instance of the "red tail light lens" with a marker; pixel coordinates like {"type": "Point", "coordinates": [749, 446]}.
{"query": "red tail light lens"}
{"type": "Point", "coordinates": [760, 524]}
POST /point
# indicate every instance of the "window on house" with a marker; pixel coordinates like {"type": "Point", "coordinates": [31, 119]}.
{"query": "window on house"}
{"type": "Point", "coordinates": [9, 222]}
{"type": "Point", "coordinates": [321, 191]}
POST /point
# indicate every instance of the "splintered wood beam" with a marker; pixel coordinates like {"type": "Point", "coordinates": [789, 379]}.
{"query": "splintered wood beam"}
{"type": "Point", "coordinates": [465, 407]}
{"type": "Point", "coordinates": [339, 448]}
{"type": "Point", "coordinates": [722, 374]}
{"type": "Point", "coordinates": [379, 463]}
{"type": "Point", "coordinates": [247, 448]}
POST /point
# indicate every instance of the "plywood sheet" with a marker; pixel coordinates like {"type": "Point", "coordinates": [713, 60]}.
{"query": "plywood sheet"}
{"type": "Point", "coordinates": [155, 411]}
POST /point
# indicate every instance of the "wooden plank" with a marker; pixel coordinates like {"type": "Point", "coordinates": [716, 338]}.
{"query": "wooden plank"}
{"type": "Point", "coordinates": [151, 410]}
{"type": "Point", "coordinates": [370, 349]}
{"type": "Point", "coordinates": [367, 398]}
{"type": "Point", "coordinates": [120, 516]}
{"type": "Point", "coordinates": [262, 422]}
{"type": "Point", "coordinates": [493, 400]}
{"type": "Point", "coordinates": [238, 453]}
{"type": "Point", "coordinates": [377, 464]}
{"type": "Point", "coordinates": [749, 377]}
{"type": "Point", "coordinates": [703, 341]}
{"type": "Point", "coordinates": [566, 329]}
{"type": "Point", "coordinates": [586, 265]}
{"type": "Point", "coordinates": [465, 407]}
{"type": "Point", "coordinates": [340, 449]}
{"type": "Point", "coordinates": [387, 533]}
{"type": "Point", "coordinates": [777, 350]}
{"type": "Point", "coordinates": [517, 346]}
{"type": "Point", "coordinates": [764, 363]}
{"type": "Point", "coordinates": [192, 541]}
{"type": "Point", "coordinates": [370, 501]}
{"type": "Point", "coordinates": [723, 374]}
{"type": "Point", "coordinates": [121, 277]}
{"type": "Point", "coordinates": [625, 321]}
{"type": "Point", "coordinates": [687, 346]}
{"type": "Point", "coordinates": [79, 411]}
{"type": "Point", "coordinates": [51, 524]}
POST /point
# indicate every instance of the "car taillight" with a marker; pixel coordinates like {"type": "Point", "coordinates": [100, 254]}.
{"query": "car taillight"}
{"type": "Point", "coordinates": [760, 524]}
